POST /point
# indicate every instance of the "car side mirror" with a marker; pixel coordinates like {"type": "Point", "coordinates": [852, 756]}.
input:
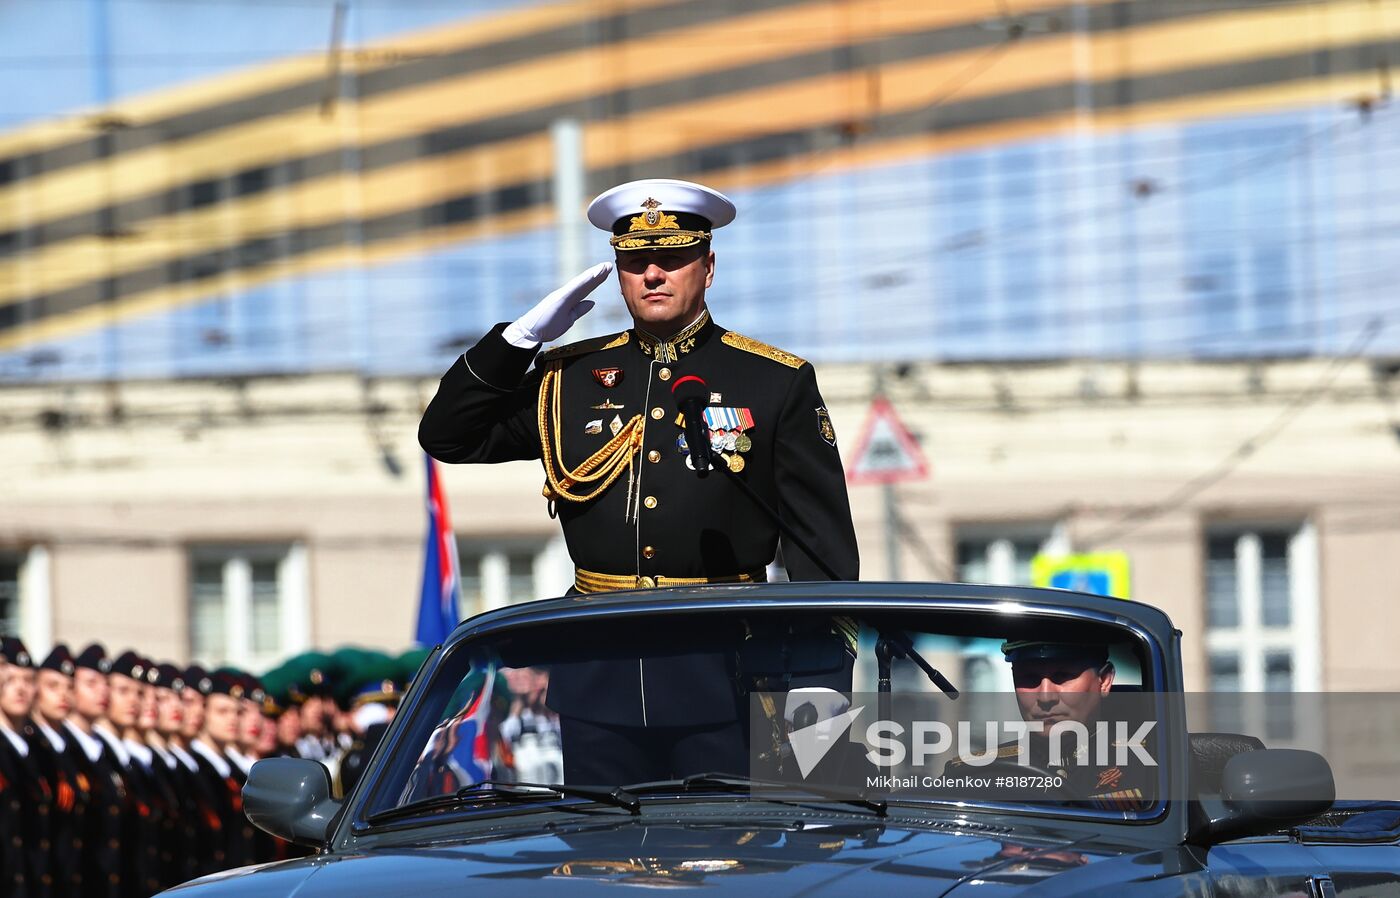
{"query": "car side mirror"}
{"type": "Point", "coordinates": [291, 798]}
{"type": "Point", "coordinates": [1263, 792]}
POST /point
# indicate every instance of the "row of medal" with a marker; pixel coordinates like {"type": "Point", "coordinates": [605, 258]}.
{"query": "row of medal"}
{"type": "Point", "coordinates": [727, 437]}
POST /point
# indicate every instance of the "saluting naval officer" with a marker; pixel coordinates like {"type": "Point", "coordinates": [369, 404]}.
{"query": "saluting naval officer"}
{"type": "Point", "coordinates": [603, 416]}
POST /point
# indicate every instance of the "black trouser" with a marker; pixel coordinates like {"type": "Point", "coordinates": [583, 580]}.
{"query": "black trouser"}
{"type": "Point", "coordinates": [603, 754]}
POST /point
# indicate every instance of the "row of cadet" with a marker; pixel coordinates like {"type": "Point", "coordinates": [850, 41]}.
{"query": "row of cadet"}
{"type": "Point", "coordinates": [120, 776]}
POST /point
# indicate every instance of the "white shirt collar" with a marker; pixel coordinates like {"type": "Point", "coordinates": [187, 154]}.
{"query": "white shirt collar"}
{"type": "Point", "coordinates": [16, 740]}
{"type": "Point", "coordinates": [166, 757]}
{"type": "Point", "coordinates": [118, 749]}
{"type": "Point", "coordinates": [244, 762]}
{"type": "Point", "coordinates": [219, 761]}
{"type": "Point", "coordinates": [91, 747]}
{"type": "Point", "coordinates": [50, 734]}
{"type": "Point", "coordinates": [138, 751]}
{"type": "Point", "coordinates": [185, 757]}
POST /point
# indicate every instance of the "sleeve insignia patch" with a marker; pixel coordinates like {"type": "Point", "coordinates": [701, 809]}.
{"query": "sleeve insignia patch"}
{"type": "Point", "coordinates": [824, 427]}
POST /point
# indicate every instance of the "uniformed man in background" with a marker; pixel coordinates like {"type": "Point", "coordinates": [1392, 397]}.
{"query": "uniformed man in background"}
{"type": "Point", "coordinates": [371, 685]}
{"type": "Point", "coordinates": [606, 418]}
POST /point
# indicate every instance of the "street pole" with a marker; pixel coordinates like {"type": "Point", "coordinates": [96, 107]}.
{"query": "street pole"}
{"type": "Point", "coordinates": [891, 503]}
{"type": "Point", "coordinates": [566, 137]}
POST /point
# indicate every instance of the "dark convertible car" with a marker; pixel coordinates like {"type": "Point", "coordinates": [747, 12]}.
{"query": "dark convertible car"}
{"type": "Point", "coordinates": [814, 739]}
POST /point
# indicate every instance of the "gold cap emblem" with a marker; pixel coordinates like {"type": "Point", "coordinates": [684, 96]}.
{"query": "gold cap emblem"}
{"type": "Point", "coordinates": [651, 204]}
{"type": "Point", "coordinates": [653, 218]}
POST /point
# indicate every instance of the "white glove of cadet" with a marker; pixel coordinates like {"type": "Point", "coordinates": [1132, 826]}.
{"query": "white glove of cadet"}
{"type": "Point", "coordinates": [557, 312]}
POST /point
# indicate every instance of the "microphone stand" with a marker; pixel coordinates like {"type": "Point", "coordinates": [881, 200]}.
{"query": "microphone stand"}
{"type": "Point", "coordinates": [773, 516]}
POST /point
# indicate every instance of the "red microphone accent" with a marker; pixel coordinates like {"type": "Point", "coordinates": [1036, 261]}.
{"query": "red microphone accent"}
{"type": "Point", "coordinates": [689, 377]}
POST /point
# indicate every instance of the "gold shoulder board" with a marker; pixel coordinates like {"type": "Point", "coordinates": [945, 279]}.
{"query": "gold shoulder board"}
{"type": "Point", "coordinates": [748, 344]}
{"type": "Point", "coordinates": [585, 346]}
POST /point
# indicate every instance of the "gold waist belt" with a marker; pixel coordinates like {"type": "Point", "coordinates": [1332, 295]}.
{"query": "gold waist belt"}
{"type": "Point", "coordinates": [590, 581]}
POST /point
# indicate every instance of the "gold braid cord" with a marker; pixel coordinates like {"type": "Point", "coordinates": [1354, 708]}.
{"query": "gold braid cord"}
{"type": "Point", "coordinates": [607, 464]}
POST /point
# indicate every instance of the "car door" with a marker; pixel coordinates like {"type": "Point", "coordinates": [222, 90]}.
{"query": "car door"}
{"type": "Point", "coordinates": [1273, 866]}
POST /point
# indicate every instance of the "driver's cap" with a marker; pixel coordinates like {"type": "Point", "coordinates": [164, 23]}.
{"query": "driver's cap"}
{"type": "Point", "coordinates": [1039, 650]}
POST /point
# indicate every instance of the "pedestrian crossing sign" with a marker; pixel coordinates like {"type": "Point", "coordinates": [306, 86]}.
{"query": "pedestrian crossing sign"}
{"type": "Point", "coordinates": [1100, 573]}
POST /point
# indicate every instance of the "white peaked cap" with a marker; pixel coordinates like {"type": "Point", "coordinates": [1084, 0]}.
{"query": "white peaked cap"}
{"type": "Point", "coordinates": [630, 199]}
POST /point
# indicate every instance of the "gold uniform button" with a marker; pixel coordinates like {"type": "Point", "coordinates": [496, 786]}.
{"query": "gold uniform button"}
{"type": "Point", "coordinates": [646, 583]}
{"type": "Point", "coordinates": [648, 552]}
{"type": "Point", "coordinates": [657, 413]}
{"type": "Point", "coordinates": [653, 456]}
{"type": "Point", "coordinates": [649, 501]}
{"type": "Point", "coordinates": [664, 374]}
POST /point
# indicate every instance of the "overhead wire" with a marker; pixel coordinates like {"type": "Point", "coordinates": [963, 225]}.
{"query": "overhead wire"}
{"type": "Point", "coordinates": [1134, 519]}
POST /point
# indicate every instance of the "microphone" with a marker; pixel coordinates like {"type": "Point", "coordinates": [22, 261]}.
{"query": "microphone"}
{"type": "Point", "coordinates": [692, 395]}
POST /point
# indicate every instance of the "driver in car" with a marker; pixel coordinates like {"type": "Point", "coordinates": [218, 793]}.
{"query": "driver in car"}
{"type": "Point", "coordinates": [1060, 682]}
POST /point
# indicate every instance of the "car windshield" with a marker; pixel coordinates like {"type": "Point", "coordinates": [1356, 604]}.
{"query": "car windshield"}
{"type": "Point", "coordinates": [904, 706]}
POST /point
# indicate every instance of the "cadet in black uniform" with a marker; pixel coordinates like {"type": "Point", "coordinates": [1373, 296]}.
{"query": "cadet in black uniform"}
{"type": "Point", "coordinates": [27, 792]}
{"type": "Point", "coordinates": [180, 841]}
{"type": "Point", "coordinates": [72, 791]}
{"type": "Point", "coordinates": [603, 415]}
{"type": "Point", "coordinates": [222, 694]}
{"type": "Point", "coordinates": [104, 872]}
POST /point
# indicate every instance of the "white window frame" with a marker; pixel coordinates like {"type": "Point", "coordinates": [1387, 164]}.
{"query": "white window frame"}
{"type": "Point", "coordinates": [34, 597]}
{"type": "Point", "coordinates": [1001, 549]}
{"type": "Point", "coordinates": [293, 600]}
{"type": "Point", "coordinates": [1251, 641]}
{"type": "Point", "coordinates": [552, 571]}
{"type": "Point", "coordinates": [36, 600]}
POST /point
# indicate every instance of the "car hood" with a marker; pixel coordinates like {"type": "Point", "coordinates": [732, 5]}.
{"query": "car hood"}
{"type": "Point", "coordinates": [838, 857]}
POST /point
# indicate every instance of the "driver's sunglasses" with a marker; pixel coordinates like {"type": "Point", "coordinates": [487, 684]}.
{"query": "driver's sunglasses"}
{"type": "Point", "coordinates": [1027, 679]}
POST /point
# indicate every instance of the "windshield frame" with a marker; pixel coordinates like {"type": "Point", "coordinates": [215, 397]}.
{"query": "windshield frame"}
{"type": "Point", "coordinates": [1147, 625]}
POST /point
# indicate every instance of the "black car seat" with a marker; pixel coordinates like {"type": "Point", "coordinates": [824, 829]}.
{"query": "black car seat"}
{"type": "Point", "coordinates": [1210, 752]}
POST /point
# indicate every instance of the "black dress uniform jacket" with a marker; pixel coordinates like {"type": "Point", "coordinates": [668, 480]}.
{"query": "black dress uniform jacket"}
{"type": "Point", "coordinates": [658, 518]}
{"type": "Point", "coordinates": [671, 523]}
{"type": "Point", "coordinates": [72, 796]}
{"type": "Point", "coordinates": [225, 793]}
{"type": "Point", "coordinates": [108, 806]}
{"type": "Point", "coordinates": [14, 865]}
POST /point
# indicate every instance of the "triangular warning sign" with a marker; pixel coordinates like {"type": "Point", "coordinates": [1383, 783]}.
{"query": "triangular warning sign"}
{"type": "Point", "coordinates": [886, 451]}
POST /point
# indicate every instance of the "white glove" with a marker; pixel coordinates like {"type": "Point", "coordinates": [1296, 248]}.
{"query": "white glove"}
{"type": "Point", "coordinates": [557, 312]}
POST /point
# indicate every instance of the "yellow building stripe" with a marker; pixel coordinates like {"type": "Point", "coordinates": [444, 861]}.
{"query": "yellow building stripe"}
{"type": "Point", "coordinates": [177, 295]}
{"type": "Point", "coordinates": [323, 201]}
{"type": "Point", "coordinates": [1220, 104]}
{"type": "Point", "coordinates": [1300, 94]}
{"type": "Point", "coordinates": [811, 103]}
{"type": "Point", "coordinates": [477, 96]}
{"type": "Point", "coordinates": [231, 86]}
